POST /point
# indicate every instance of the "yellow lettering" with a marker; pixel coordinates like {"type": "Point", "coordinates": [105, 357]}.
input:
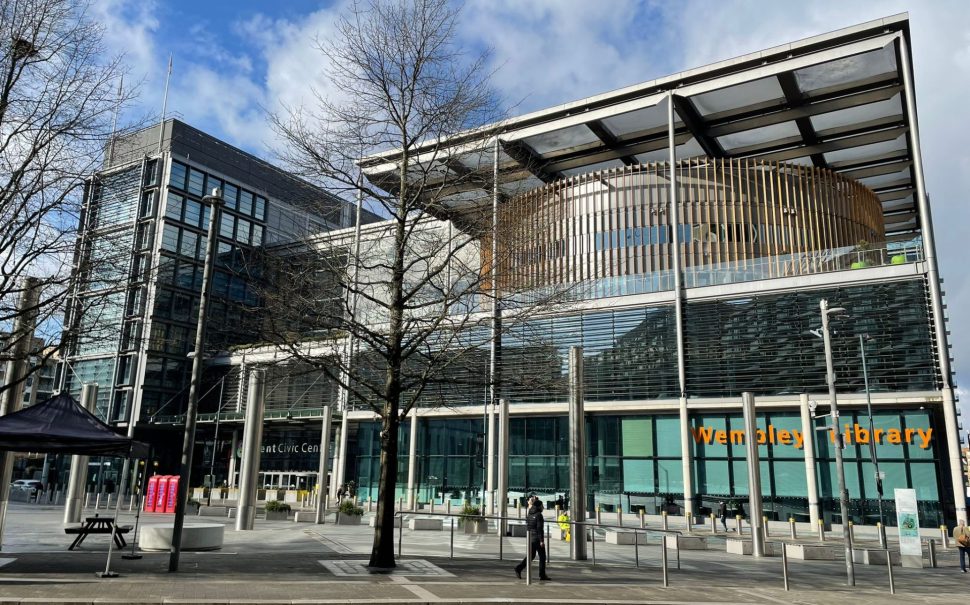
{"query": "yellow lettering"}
{"type": "Point", "coordinates": [784, 437]}
{"type": "Point", "coordinates": [702, 434]}
{"type": "Point", "coordinates": [895, 436]}
{"type": "Point", "coordinates": [721, 437]}
{"type": "Point", "coordinates": [799, 439]}
{"type": "Point", "coordinates": [737, 437]}
{"type": "Point", "coordinates": [861, 434]}
{"type": "Point", "coordinates": [762, 438]}
{"type": "Point", "coordinates": [909, 435]}
{"type": "Point", "coordinates": [925, 437]}
{"type": "Point", "coordinates": [877, 435]}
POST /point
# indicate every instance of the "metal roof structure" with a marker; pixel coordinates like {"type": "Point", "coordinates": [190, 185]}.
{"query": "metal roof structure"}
{"type": "Point", "coordinates": [836, 100]}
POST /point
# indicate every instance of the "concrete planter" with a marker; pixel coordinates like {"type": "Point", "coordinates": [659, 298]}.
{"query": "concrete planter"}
{"type": "Point", "coordinates": [475, 526]}
{"type": "Point", "coordinates": [348, 519]}
{"type": "Point", "coordinates": [192, 509]}
{"type": "Point", "coordinates": [277, 515]}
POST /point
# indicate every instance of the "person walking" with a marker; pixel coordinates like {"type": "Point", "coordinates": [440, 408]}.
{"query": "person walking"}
{"type": "Point", "coordinates": [340, 494]}
{"type": "Point", "coordinates": [537, 542]}
{"type": "Point", "coordinates": [722, 514]}
{"type": "Point", "coordinates": [961, 534]}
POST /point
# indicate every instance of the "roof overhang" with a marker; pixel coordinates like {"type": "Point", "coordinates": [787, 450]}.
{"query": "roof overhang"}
{"type": "Point", "coordinates": [833, 100]}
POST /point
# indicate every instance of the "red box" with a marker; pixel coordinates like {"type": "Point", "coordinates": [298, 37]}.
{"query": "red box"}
{"type": "Point", "coordinates": [173, 493]}
{"type": "Point", "coordinates": [150, 494]}
{"type": "Point", "coordinates": [161, 493]}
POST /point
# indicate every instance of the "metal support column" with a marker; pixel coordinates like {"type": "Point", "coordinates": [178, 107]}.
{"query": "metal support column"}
{"type": "Point", "coordinates": [73, 503]}
{"type": "Point", "coordinates": [811, 481]}
{"type": "Point", "coordinates": [321, 511]}
{"type": "Point", "coordinates": [950, 422]}
{"type": "Point", "coordinates": [502, 494]}
{"type": "Point", "coordinates": [11, 398]}
{"type": "Point", "coordinates": [413, 462]}
{"type": "Point", "coordinates": [252, 439]}
{"type": "Point", "coordinates": [495, 345]}
{"type": "Point", "coordinates": [674, 223]}
{"type": "Point", "coordinates": [754, 475]}
{"type": "Point", "coordinates": [491, 444]}
{"type": "Point", "coordinates": [577, 454]}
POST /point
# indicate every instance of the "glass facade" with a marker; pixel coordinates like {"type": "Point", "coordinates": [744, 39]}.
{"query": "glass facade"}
{"type": "Point", "coordinates": [634, 462]}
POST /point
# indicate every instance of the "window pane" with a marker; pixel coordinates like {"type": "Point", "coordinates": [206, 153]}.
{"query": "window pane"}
{"type": "Point", "coordinates": [230, 194]}
{"type": "Point", "coordinates": [260, 208]}
{"type": "Point", "coordinates": [638, 476]}
{"type": "Point", "coordinates": [196, 182]}
{"type": "Point", "coordinates": [193, 212]}
{"type": "Point", "coordinates": [637, 437]}
{"type": "Point", "coordinates": [177, 177]}
{"type": "Point", "coordinates": [670, 476]}
{"type": "Point", "coordinates": [170, 238]}
{"type": "Point", "coordinates": [173, 206]}
{"type": "Point", "coordinates": [245, 202]}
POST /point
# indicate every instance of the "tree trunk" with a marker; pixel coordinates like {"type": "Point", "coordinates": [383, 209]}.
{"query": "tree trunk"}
{"type": "Point", "coordinates": [382, 552]}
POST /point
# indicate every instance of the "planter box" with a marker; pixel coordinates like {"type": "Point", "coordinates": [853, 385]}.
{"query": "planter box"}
{"type": "Point", "coordinates": [624, 537]}
{"type": "Point", "coordinates": [865, 556]}
{"type": "Point", "coordinates": [808, 551]}
{"type": "Point", "coordinates": [192, 509]}
{"type": "Point", "coordinates": [397, 521]}
{"type": "Point", "coordinates": [348, 519]}
{"type": "Point", "coordinates": [277, 515]}
{"type": "Point", "coordinates": [475, 526]}
{"type": "Point", "coordinates": [425, 524]}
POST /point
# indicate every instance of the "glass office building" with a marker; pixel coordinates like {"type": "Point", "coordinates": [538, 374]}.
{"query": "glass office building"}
{"type": "Point", "coordinates": [140, 256]}
{"type": "Point", "coordinates": [698, 220]}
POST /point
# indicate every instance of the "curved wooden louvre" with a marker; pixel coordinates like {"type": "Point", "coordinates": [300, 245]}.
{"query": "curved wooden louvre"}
{"type": "Point", "coordinates": [736, 215]}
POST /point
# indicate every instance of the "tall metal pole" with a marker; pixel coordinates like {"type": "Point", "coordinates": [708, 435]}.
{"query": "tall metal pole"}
{"type": "Point", "coordinates": [214, 201]}
{"type": "Point", "coordinates": [577, 454]}
{"type": "Point", "coordinates": [872, 441]}
{"type": "Point", "coordinates": [839, 465]}
{"type": "Point", "coordinates": [754, 475]}
{"type": "Point", "coordinates": [502, 470]}
{"type": "Point", "coordinates": [495, 348]}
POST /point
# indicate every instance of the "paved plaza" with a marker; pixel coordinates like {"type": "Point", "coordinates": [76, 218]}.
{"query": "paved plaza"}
{"type": "Point", "coordinates": [287, 562]}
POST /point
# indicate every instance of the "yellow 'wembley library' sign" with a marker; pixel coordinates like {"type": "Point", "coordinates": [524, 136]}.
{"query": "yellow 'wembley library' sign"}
{"type": "Point", "coordinates": [853, 434]}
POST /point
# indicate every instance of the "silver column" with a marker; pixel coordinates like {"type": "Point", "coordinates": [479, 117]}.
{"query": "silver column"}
{"type": "Point", "coordinates": [339, 464]}
{"type": "Point", "coordinates": [577, 454]}
{"type": "Point", "coordinates": [413, 462]}
{"type": "Point", "coordinates": [12, 396]}
{"type": "Point", "coordinates": [321, 512]}
{"type": "Point", "coordinates": [490, 463]}
{"type": "Point", "coordinates": [232, 459]}
{"type": "Point", "coordinates": [79, 464]}
{"type": "Point", "coordinates": [674, 222]}
{"type": "Point", "coordinates": [754, 475]}
{"type": "Point", "coordinates": [502, 496]}
{"type": "Point", "coordinates": [811, 481]}
{"type": "Point", "coordinates": [252, 439]}
{"type": "Point", "coordinates": [950, 422]}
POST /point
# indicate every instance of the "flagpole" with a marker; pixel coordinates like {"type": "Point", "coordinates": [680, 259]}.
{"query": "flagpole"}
{"type": "Point", "coordinates": [161, 123]}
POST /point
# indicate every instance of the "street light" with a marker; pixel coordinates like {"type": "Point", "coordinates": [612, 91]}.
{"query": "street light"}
{"type": "Point", "coordinates": [214, 200]}
{"type": "Point", "coordinates": [839, 467]}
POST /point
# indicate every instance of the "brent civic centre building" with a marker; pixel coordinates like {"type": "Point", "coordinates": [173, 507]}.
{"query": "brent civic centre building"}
{"type": "Point", "coordinates": [797, 176]}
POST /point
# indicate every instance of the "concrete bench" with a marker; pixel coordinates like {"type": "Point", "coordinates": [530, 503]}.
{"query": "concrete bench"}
{"type": "Point", "coordinates": [744, 546]}
{"type": "Point", "coordinates": [686, 543]}
{"type": "Point", "coordinates": [518, 530]}
{"type": "Point", "coordinates": [870, 556]}
{"type": "Point", "coordinates": [419, 524]}
{"type": "Point", "coordinates": [620, 537]}
{"type": "Point", "coordinates": [213, 511]}
{"type": "Point", "coordinates": [397, 521]}
{"type": "Point", "coordinates": [305, 516]}
{"type": "Point", "coordinates": [195, 536]}
{"type": "Point", "coordinates": [811, 552]}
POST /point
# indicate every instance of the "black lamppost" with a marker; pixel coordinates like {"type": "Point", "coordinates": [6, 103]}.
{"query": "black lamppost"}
{"type": "Point", "coordinates": [214, 201]}
{"type": "Point", "coordinates": [872, 442]}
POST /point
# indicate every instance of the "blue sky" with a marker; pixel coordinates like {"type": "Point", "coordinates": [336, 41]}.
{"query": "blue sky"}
{"type": "Point", "coordinates": [233, 61]}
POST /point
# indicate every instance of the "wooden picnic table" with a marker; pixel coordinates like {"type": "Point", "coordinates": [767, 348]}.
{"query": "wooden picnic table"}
{"type": "Point", "coordinates": [97, 525]}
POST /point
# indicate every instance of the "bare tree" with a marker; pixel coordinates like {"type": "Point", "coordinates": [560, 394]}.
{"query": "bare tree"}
{"type": "Point", "coordinates": [412, 294]}
{"type": "Point", "coordinates": [59, 101]}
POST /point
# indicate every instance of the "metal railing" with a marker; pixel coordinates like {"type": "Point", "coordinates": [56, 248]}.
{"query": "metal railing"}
{"type": "Point", "coordinates": [501, 523]}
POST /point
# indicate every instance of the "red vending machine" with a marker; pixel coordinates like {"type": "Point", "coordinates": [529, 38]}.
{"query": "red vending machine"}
{"type": "Point", "coordinates": [151, 492]}
{"type": "Point", "coordinates": [161, 493]}
{"type": "Point", "coordinates": [173, 494]}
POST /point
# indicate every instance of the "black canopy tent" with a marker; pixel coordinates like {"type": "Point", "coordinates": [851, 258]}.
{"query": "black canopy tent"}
{"type": "Point", "coordinates": [60, 425]}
